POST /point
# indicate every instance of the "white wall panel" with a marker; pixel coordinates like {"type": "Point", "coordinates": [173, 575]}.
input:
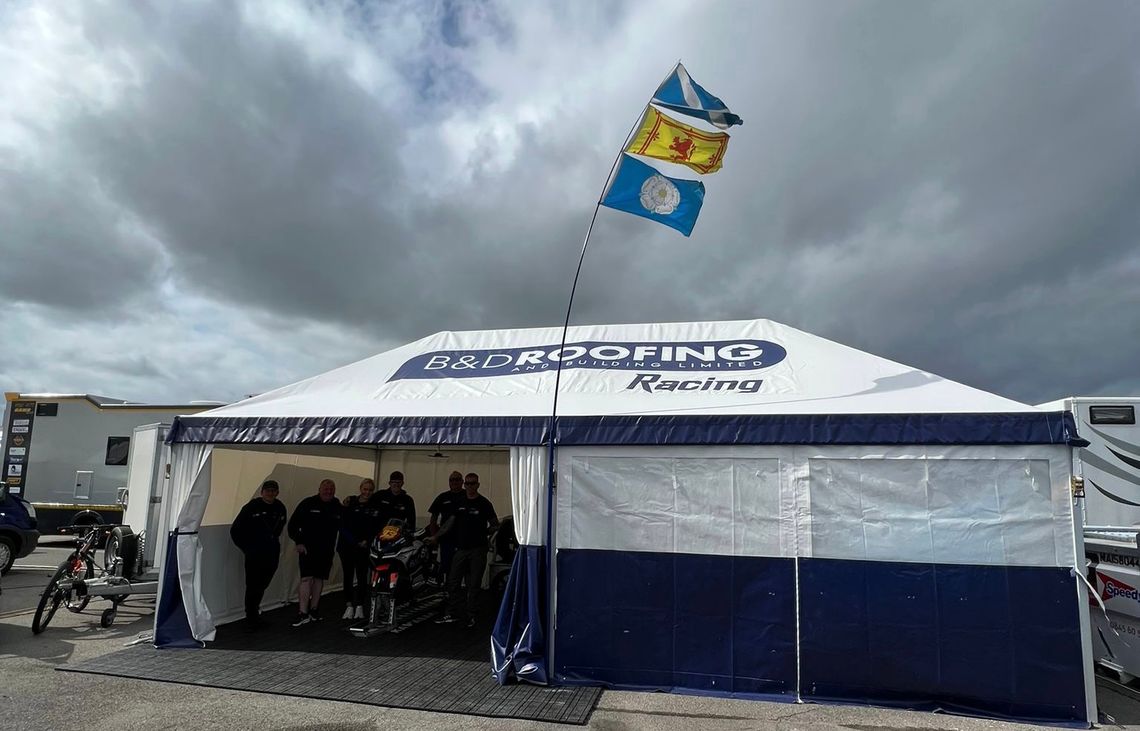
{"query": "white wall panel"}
{"type": "Point", "coordinates": [995, 511]}
{"type": "Point", "coordinates": [759, 521]}
{"type": "Point", "coordinates": [969, 505]}
{"type": "Point", "coordinates": [718, 502]}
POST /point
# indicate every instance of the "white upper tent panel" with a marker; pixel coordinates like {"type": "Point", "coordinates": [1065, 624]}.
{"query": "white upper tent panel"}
{"type": "Point", "coordinates": [670, 369]}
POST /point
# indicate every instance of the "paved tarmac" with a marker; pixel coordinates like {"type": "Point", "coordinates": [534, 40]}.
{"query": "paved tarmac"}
{"type": "Point", "coordinates": [34, 696]}
{"type": "Point", "coordinates": [29, 575]}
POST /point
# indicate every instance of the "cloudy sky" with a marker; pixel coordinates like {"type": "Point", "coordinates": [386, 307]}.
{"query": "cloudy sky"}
{"type": "Point", "coordinates": [204, 200]}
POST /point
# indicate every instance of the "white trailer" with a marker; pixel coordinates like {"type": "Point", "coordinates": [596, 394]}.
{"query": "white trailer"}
{"type": "Point", "coordinates": [146, 509]}
{"type": "Point", "coordinates": [1110, 464]}
{"type": "Point", "coordinates": [1109, 467]}
{"type": "Point", "coordinates": [67, 454]}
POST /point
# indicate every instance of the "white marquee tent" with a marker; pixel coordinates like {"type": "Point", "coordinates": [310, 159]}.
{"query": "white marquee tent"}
{"type": "Point", "coordinates": [741, 508]}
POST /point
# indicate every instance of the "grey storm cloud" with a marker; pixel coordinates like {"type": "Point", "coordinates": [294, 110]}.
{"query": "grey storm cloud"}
{"type": "Point", "coordinates": [223, 197]}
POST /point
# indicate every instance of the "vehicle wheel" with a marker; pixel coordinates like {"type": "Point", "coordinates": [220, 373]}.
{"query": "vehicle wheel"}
{"type": "Point", "coordinates": [7, 554]}
{"type": "Point", "coordinates": [78, 604]}
{"type": "Point", "coordinates": [107, 618]}
{"type": "Point", "coordinates": [50, 599]}
{"type": "Point", "coordinates": [111, 552]}
{"type": "Point", "coordinates": [121, 551]}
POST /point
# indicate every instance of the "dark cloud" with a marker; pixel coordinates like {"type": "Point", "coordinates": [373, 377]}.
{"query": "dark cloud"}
{"type": "Point", "coordinates": [950, 186]}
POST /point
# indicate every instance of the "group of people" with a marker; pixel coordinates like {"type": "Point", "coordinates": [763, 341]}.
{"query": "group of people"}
{"type": "Point", "coordinates": [322, 526]}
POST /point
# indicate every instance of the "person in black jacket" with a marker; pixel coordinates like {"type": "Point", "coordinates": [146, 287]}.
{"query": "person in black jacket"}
{"type": "Point", "coordinates": [256, 531]}
{"type": "Point", "coordinates": [396, 503]}
{"type": "Point", "coordinates": [470, 525]}
{"type": "Point", "coordinates": [441, 509]}
{"type": "Point", "coordinates": [314, 528]}
{"type": "Point", "coordinates": [361, 521]}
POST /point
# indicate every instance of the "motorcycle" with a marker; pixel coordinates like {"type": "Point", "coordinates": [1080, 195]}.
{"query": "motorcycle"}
{"type": "Point", "coordinates": [403, 567]}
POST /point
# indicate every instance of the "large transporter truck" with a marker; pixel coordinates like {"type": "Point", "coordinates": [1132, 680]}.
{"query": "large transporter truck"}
{"type": "Point", "coordinates": [67, 454]}
{"type": "Point", "coordinates": [1109, 467]}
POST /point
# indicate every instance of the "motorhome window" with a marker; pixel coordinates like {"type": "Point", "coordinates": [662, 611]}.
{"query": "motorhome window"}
{"type": "Point", "coordinates": [47, 409]}
{"type": "Point", "coordinates": [1112, 414]}
{"type": "Point", "coordinates": [117, 450]}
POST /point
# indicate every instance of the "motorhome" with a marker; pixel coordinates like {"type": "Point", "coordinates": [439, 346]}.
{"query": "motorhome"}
{"type": "Point", "coordinates": [1109, 471]}
{"type": "Point", "coordinates": [67, 454]}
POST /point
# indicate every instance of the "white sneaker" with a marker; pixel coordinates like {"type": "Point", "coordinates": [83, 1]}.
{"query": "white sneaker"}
{"type": "Point", "coordinates": [348, 612]}
{"type": "Point", "coordinates": [302, 620]}
{"type": "Point", "coordinates": [359, 614]}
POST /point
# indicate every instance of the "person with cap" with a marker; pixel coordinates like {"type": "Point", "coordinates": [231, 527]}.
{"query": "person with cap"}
{"type": "Point", "coordinates": [314, 527]}
{"type": "Point", "coordinates": [472, 522]}
{"type": "Point", "coordinates": [395, 502]}
{"type": "Point", "coordinates": [361, 522]}
{"type": "Point", "coordinates": [257, 532]}
{"type": "Point", "coordinates": [442, 508]}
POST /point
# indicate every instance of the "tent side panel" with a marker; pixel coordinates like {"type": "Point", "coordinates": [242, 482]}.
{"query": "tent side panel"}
{"type": "Point", "coordinates": [171, 628]}
{"type": "Point", "coordinates": [674, 569]}
{"type": "Point", "coordinates": [995, 640]}
{"type": "Point", "coordinates": [943, 579]}
{"type": "Point", "coordinates": [927, 575]}
{"type": "Point", "coordinates": [519, 637]}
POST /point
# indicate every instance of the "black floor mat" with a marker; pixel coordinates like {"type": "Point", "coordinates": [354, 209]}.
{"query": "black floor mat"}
{"type": "Point", "coordinates": [423, 666]}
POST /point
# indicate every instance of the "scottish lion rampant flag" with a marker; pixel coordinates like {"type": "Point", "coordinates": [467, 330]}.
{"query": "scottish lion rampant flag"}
{"type": "Point", "coordinates": [642, 191]}
{"type": "Point", "coordinates": [681, 94]}
{"type": "Point", "coordinates": [664, 138]}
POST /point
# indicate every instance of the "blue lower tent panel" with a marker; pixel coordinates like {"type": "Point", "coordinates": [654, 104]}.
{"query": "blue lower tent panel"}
{"type": "Point", "coordinates": [171, 628]}
{"type": "Point", "coordinates": [518, 640]}
{"type": "Point", "coordinates": [991, 640]}
{"type": "Point", "coordinates": [662, 621]}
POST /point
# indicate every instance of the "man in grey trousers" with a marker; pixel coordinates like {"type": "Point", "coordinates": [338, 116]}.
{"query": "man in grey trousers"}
{"type": "Point", "coordinates": [470, 525]}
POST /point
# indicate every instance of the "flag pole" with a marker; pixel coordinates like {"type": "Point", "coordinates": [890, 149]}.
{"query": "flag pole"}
{"type": "Point", "coordinates": [552, 428]}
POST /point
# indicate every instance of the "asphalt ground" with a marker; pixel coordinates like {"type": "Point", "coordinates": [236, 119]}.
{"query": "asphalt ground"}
{"type": "Point", "coordinates": [29, 575]}
{"type": "Point", "coordinates": [34, 696]}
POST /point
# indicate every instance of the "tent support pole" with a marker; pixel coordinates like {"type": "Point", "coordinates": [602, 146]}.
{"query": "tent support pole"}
{"type": "Point", "coordinates": [552, 429]}
{"type": "Point", "coordinates": [550, 452]}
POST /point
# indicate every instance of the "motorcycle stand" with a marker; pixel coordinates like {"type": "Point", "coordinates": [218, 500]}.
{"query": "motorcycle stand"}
{"type": "Point", "coordinates": [384, 615]}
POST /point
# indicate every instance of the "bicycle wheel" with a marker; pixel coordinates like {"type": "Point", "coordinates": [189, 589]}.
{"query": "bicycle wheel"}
{"type": "Point", "coordinates": [50, 600]}
{"type": "Point", "coordinates": [78, 604]}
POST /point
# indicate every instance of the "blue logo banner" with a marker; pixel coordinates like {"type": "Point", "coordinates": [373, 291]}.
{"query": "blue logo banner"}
{"type": "Point", "coordinates": [703, 356]}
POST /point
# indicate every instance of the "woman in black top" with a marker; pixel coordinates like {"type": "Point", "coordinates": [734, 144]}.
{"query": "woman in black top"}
{"type": "Point", "coordinates": [361, 522]}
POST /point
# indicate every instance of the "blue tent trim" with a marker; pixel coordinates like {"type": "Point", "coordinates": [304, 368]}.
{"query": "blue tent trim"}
{"type": "Point", "coordinates": [518, 640]}
{"type": "Point", "coordinates": [868, 429]}
{"type": "Point", "coordinates": [171, 628]}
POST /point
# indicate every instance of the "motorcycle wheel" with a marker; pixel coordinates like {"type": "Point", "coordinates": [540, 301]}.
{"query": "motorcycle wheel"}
{"type": "Point", "coordinates": [50, 599]}
{"type": "Point", "coordinates": [78, 604]}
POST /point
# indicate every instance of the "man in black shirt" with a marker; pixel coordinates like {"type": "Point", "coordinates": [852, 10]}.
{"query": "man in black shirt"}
{"type": "Point", "coordinates": [314, 528]}
{"type": "Point", "coordinates": [256, 531]}
{"type": "Point", "coordinates": [442, 508]}
{"type": "Point", "coordinates": [396, 503]}
{"type": "Point", "coordinates": [471, 524]}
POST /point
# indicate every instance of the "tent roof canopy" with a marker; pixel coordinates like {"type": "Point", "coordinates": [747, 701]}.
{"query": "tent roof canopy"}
{"type": "Point", "coordinates": [750, 381]}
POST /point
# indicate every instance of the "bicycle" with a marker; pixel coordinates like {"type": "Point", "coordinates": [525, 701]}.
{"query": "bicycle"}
{"type": "Point", "coordinates": [67, 585]}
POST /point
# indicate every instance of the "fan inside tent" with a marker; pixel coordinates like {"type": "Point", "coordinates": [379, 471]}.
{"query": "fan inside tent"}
{"type": "Point", "coordinates": [437, 454]}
